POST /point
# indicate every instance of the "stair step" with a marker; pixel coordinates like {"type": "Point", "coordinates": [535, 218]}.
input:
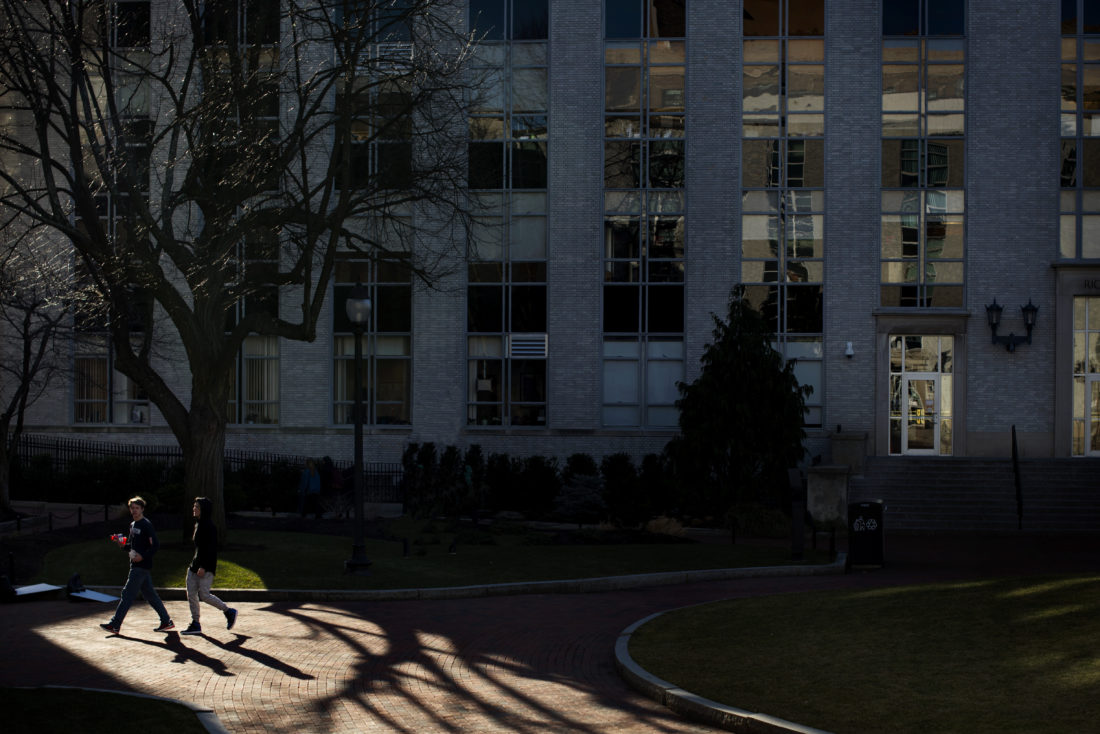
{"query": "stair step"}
{"type": "Point", "coordinates": [960, 493]}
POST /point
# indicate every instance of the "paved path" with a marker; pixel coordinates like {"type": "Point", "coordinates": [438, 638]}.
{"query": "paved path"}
{"type": "Point", "coordinates": [532, 663]}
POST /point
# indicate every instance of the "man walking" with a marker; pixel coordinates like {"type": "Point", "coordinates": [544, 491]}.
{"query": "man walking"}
{"type": "Point", "coordinates": [142, 544]}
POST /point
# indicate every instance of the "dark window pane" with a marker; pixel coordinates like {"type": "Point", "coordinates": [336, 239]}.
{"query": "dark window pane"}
{"type": "Point", "coordinates": [666, 308]}
{"type": "Point", "coordinates": [621, 164]}
{"type": "Point", "coordinates": [1092, 17]}
{"type": "Point", "coordinates": [901, 17]}
{"type": "Point", "coordinates": [133, 24]}
{"type": "Point", "coordinates": [621, 237]}
{"type": "Point", "coordinates": [761, 17]}
{"type": "Point", "coordinates": [623, 18]}
{"type": "Point", "coordinates": [760, 163]}
{"type": "Point", "coordinates": [487, 17]}
{"type": "Point", "coordinates": [393, 22]}
{"type": "Point", "coordinates": [806, 18]}
{"type": "Point", "coordinates": [529, 165]}
{"type": "Point", "coordinates": [485, 312]}
{"type": "Point", "coordinates": [1069, 163]}
{"type": "Point", "coordinates": [946, 17]}
{"type": "Point", "coordinates": [530, 19]}
{"type": "Point", "coordinates": [529, 380]}
{"type": "Point", "coordinates": [262, 17]}
{"type": "Point", "coordinates": [666, 164]}
{"type": "Point", "coordinates": [395, 165]}
{"type": "Point", "coordinates": [220, 21]}
{"type": "Point", "coordinates": [804, 314]}
{"type": "Point", "coordinates": [620, 308]}
{"type": "Point", "coordinates": [486, 165]}
{"type": "Point", "coordinates": [1069, 16]}
{"type": "Point", "coordinates": [486, 273]}
{"type": "Point", "coordinates": [765, 299]}
{"type": "Point", "coordinates": [1089, 166]}
{"type": "Point", "coordinates": [358, 166]}
{"type": "Point", "coordinates": [528, 308]}
{"type": "Point", "coordinates": [394, 308]}
{"type": "Point", "coordinates": [667, 19]}
{"type": "Point", "coordinates": [945, 164]}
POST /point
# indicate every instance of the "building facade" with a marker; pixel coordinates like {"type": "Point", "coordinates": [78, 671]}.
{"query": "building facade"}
{"type": "Point", "coordinates": [876, 175]}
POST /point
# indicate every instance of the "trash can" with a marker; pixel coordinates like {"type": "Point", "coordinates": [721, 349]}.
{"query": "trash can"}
{"type": "Point", "coordinates": [866, 541]}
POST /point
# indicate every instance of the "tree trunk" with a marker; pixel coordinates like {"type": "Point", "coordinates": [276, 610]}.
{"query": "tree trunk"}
{"type": "Point", "coordinates": [203, 460]}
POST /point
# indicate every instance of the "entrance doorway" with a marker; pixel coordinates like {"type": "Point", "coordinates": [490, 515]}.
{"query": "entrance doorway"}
{"type": "Point", "coordinates": [921, 395]}
{"type": "Point", "coordinates": [1086, 376]}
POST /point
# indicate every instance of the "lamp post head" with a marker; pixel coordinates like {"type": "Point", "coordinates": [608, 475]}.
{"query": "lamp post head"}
{"type": "Point", "coordinates": [1031, 312]}
{"type": "Point", "coordinates": [358, 306]}
{"type": "Point", "coordinates": [993, 314]}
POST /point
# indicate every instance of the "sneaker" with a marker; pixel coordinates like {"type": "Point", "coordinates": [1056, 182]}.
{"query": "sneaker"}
{"type": "Point", "coordinates": [192, 629]}
{"type": "Point", "coordinates": [230, 618]}
{"type": "Point", "coordinates": [111, 627]}
{"type": "Point", "coordinates": [166, 626]}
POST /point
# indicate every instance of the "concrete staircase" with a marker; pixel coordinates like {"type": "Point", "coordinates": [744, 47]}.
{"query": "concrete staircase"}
{"type": "Point", "coordinates": [960, 494]}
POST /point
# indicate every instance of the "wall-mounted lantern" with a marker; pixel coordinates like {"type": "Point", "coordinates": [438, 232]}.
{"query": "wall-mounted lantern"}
{"type": "Point", "coordinates": [993, 315]}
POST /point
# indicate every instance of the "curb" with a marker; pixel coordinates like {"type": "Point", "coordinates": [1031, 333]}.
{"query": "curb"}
{"type": "Point", "coordinates": [206, 716]}
{"type": "Point", "coordinates": [564, 586]}
{"type": "Point", "coordinates": [697, 707]}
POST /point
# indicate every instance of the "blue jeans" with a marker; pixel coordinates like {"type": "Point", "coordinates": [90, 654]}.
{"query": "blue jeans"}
{"type": "Point", "coordinates": [139, 580]}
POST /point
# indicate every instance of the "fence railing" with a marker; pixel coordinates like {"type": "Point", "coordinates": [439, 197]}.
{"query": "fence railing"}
{"type": "Point", "coordinates": [382, 481]}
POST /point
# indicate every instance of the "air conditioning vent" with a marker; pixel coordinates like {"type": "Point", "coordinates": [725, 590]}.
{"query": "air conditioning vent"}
{"type": "Point", "coordinates": [527, 345]}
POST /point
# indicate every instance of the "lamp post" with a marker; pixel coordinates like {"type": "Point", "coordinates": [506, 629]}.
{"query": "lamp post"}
{"type": "Point", "coordinates": [358, 306]}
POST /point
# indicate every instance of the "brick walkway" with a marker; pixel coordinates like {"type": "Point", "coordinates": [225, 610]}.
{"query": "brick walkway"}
{"type": "Point", "coordinates": [533, 663]}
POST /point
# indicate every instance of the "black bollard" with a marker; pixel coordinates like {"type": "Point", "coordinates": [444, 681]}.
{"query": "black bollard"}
{"type": "Point", "coordinates": [11, 567]}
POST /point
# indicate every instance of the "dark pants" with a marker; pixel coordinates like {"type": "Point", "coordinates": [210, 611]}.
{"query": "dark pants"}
{"type": "Point", "coordinates": [140, 581]}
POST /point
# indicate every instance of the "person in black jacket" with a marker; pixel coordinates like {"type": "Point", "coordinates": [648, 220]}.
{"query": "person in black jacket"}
{"type": "Point", "coordinates": [200, 574]}
{"type": "Point", "coordinates": [142, 544]}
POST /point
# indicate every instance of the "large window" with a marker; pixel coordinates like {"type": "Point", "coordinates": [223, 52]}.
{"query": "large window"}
{"type": "Point", "coordinates": [507, 344]}
{"type": "Point", "coordinates": [242, 77]}
{"type": "Point", "coordinates": [1080, 200]}
{"type": "Point", "coordinates": [1086, 376]}
{"type": "Point", "coordinates": [783, 179]}
{"type": "Point", "coordinates": [923, 153]}
{"type": "Point", "coordinates": [254, 399]}
{"type": "Point", "coordinates": [644, 210]}
{"type": "Point", "coordinates": [386, 376]}
{"type": "Point", "coordinates": [101, 394]}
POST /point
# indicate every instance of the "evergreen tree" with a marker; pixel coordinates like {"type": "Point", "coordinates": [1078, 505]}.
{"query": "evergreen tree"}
{"type": "Point", "coordinates": [741, 420]}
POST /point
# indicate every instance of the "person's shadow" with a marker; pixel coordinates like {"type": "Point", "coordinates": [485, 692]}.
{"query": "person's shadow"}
{"type": "Point", "coordinates": [185, 654]}
{"type": "Point", "coordinates": [236, 645]}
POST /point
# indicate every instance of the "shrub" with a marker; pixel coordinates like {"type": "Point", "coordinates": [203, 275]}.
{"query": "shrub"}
{"type": "Point", "coordinates": [620, 481]}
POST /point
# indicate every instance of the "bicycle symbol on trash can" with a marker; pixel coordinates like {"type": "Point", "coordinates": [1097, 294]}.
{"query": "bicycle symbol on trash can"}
{"type": "Point", "coordinates": [860, 525]}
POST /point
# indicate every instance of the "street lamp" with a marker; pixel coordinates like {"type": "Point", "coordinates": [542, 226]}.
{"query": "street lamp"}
{"type": "Point", "coordinates": [358, 307]}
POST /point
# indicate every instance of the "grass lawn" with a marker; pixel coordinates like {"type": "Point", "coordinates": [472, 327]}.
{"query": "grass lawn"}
{"type": "Point", "coordinates": [290, 560]}
{"type": "Point", "coordinates": [1015, 655]}
{"type": "Point", "coordinates": [45, 710]}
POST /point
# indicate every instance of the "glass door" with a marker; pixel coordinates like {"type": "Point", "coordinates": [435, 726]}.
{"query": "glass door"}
{"type": "Point", "coordinates": [921, 388]}
{"type": "Point", "coordinates": [1094, 415]}
{"type": "Point", "coordinates": [922, 412]}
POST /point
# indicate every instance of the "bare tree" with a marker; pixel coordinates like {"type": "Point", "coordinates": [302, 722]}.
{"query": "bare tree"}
{"type": "Point", "coordinates": [205, 163]}
{"type": "Point", "coordinates": [32, 321]}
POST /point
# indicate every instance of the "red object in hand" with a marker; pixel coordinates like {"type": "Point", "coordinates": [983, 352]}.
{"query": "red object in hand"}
{"type": "Point", "coordinates": [119, 538]}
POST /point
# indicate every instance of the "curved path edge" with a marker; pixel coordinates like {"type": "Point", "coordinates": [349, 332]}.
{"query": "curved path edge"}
{"type": "Point", "coordinates": [563, 586]}
{"type": "Point", "coordinates": [206, 716]}
{"type": "Point", "coordinates": [692, 705]}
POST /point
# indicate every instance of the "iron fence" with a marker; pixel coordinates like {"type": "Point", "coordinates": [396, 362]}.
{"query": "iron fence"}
{"type": "Point", "coordinates": [382, 481]}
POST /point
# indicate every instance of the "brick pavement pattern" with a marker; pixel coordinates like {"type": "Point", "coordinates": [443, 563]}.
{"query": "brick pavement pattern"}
{"type": "Point", "coordinates": [533, 663]}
